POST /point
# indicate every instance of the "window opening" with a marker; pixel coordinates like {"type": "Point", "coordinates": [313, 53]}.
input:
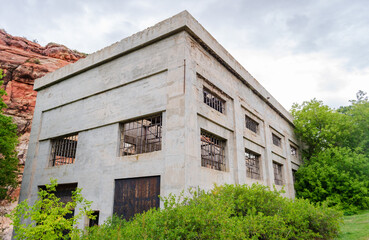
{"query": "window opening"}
{"type": "Point", "coordinates": [212, 151]}
{"type": "Point", "coordinates": [252, 124]}
{"type": "Point", "coordinates": [276, 140]}
{"type": "Point", "coordinates": [252, 164]}
{"type": "Point", "coordinates": [293, 151]}
{"type": "Point", "coordinates": [213, 101]}
{"type": "Point", "coordinates": [141, 135]}
{"type": "Point", "coordinates": [94, 222]}
{"type": "Point", "coordinates": [63, 150]}
{"type": "Point", "coordinates": [294, 175]}
{"type": "Point", "coordinates": [278, 173]}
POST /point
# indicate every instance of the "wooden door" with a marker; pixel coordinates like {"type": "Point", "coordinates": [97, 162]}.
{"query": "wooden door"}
{"type": "Point", "coordinates": [136, 195]}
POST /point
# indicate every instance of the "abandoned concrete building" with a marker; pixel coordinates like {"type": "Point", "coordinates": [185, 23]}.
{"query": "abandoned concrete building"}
{"type": "Point", "coordinates": [161, 111]}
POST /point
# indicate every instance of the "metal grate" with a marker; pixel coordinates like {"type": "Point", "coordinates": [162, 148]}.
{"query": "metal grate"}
{"type": "Point", "coordinates": [141, 136]}
{"type": "Point", "coordinates": [251, 124]}
{"type": "Point", "coordinates": [276, 140]}
{"type": "Point", "coordinates": [63, 150]}
{"type": "Point", "coordinates": [213, 101]}
{"type": "Point", "coordinates": [252, 165]}
{"type": "Point", "coordinates": [212, 151]}
{"type": "Point", "coordinates": [278, 177]}
{"type": "Point", "coordinates": [293, 151]}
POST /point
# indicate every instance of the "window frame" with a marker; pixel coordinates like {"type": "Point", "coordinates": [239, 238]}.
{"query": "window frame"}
{"type": "Point", "coordinates": [250, 173]}
{"type": "Point", "coordinates": [279, 167]}
{"type": "Point", "coordinates": [143, 140]}
{"type": "Point", "coordinates": [64, 145]}
{"type": "Point", "coordinates": [277, 143]}
{"type": "Point", "coordinates": [252, 123]}
{"type": "Point", "coordinates": [293, 151]}
{"type": "Point", "coordinates": [210, 143]}
{"type": "Point", "coordinates": [216, 102]}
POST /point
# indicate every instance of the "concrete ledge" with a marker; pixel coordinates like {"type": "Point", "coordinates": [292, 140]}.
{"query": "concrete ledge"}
{"type": "Point", "coordinates": [180, 22]}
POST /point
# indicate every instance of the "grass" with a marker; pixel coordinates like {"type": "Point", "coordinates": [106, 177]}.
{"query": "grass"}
{"type": "Point", "coordinates": [355, 227]}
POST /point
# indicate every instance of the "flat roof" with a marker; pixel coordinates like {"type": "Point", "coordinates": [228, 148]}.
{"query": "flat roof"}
{"type": "Point", "coordinates": [183, 21]}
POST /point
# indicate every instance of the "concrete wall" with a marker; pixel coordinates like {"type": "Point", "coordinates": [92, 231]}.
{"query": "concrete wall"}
{"type": "Point", "coordinates": [166, 76]}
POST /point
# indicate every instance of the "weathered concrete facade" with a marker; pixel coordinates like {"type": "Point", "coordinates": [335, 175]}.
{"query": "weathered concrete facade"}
{"type": "Point", "coordinates": [162, 69]}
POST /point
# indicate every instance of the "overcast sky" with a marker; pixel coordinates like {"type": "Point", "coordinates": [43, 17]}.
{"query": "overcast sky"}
{"type": "Point", "coordinates": [298, 50]}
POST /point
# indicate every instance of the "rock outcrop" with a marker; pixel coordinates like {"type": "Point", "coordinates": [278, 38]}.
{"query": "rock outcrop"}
{"type": "Point", "coordinates": [23, 61]}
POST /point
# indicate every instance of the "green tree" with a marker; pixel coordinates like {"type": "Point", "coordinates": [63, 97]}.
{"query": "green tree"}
{"type": "Point", "coordinates": [335, 153]}
{"type": "Point", "coordinates": [8, 154]}
{"type": "Point", "coordinates": [48, 215]}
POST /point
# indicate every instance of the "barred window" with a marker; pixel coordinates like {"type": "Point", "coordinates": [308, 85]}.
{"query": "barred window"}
{"type": "Point", "coordinates": [213, 101]}
{"type": "Point", "coordinates": [293, 151]}
{"type": "Point", "coordinates": [252, 124]}
{"type": "Point", "coordinates": [252, 164]}
{"type": "Point", "coordinates": [63, 150]}
{"type": "Point", "coordinates": [276, 140]}
{"type": "Point", "coordinates": [141, 135]}
{"type": "Point", "coordinates": [278, 177]}
{"type": "Point", "coordinates": [212, 151]}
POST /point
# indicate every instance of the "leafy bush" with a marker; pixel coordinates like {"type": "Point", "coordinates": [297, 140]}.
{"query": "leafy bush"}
{"type": "Point", "coordinates": [227, 212]}
{"type": "Point", "coordinates": [48, 215]}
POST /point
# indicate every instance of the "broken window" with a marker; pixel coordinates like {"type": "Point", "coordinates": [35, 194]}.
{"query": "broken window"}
{"type": "Point", "coordinates": [252, 124]}
{"type": "Point", "coordinates": [278, 177]}
{"type": "Point", "coordinates": [63, 150]}
{"type": "Point", "coordinates": [252, 165]}
{"type": "Point", "coordinates": [276, 140]}
{"type": "Point", "coordinates": [293, 151]}
{"type": "Point", "coordinates": [212, 151]}
{"type": "Point", "coordinates": [213, 101]}
{"type": "Point", "coordinates": [141, 135]}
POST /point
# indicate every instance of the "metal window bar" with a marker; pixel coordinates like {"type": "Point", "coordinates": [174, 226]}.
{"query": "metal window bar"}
{"type": "Point", "coordinates": [63, 150]}
{"type": "Point", "coordinates": [212, 152]}
{"type": "Point", "coordinates": [276, 140]}
{"type": "Point", "coordinates": [141, 136]}
{"type": "Point", "coordinates": [251, 124]}
{"type": "Point", "coordinates": [278, 178]}
{"type": "Point", "coordinates": [252, 165]}
{"type": "Point", "coordinates": [213, 101]}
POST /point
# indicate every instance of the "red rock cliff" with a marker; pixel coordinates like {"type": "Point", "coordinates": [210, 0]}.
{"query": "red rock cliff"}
{"type": "Point", "coordinates": [23, 61]}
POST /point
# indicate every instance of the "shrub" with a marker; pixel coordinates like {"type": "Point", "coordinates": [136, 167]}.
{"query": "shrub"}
{"type": "Point", "coordinates": [47, 216]}
{"type": "Point", "coordinates": [227, 212]}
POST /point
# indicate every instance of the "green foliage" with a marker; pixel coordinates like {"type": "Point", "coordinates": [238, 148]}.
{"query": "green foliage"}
{"type": "Point", "coordinates": [47, 215]}
{"type": "Point", "coordinates": [8, 154]}
{"type": "Point", "coordinates": [339, 176]}
{"type": "Point", "coordinates": [336, 154]}
{"type": "Point", "coordinates": [226, 212]}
